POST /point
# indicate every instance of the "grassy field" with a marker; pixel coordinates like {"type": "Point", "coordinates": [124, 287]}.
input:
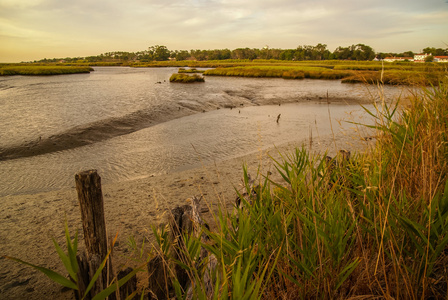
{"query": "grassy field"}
{"type": "Point", "coordinates": [37, 70]}
{"type": "Point", "coordinates": [369, 226]}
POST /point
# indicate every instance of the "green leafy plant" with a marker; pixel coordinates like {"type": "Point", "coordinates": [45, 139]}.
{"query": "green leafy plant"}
{"type": "Point", "coordinates": [70, 263]}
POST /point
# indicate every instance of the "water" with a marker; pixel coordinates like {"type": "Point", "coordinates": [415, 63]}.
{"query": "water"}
{"type": "Point", "coordinates": [132, 123]}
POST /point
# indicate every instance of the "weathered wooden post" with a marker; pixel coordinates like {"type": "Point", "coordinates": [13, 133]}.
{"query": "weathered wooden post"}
{"type": "Point", "coordinates": [90, 196]}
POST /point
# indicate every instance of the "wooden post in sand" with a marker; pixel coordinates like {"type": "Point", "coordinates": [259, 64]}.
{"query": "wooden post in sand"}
{"type": "Point", "coordinates": [90, 196]}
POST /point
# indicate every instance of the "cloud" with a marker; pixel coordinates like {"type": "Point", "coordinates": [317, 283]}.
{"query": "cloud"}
{"type": "Point", "coordinates": [132, 25]}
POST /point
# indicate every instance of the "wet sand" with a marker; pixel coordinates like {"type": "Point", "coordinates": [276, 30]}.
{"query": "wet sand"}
{"type": "Point", "coordinates": [131, 207]}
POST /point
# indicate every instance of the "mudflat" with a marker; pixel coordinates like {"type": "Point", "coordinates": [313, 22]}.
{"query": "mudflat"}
{"type": "Point", "coordinates": [28, 222]}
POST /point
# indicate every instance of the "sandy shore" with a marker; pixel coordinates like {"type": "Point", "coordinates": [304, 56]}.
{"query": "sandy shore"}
{"type": "Point", "coordinates": [29, 221]}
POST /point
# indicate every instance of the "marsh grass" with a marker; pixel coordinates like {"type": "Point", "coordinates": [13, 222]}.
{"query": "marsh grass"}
{"type": "Point", "coordinates": [372, 226]}
{"type": "Point", "coordinates": [193, 70]}
{"type": "Point", "coordinates": [36, 70]}
{"type": "Point", "coordinates": [184, 78]}
{"type": "Point", "coordinates": [372, 74]}
{"type": "Point", "coordinates": [294, 72]}
{"type": "Point", "coordinates": [402, 73]}
{"type": "Point", "coordinates": [397, 77]}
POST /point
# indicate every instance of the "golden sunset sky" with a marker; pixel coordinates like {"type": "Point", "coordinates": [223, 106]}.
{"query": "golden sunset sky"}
{"type": "Point", "coordinates": [36, 29]}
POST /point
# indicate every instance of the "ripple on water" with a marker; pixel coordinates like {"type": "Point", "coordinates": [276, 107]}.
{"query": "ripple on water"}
{"type": "Point", "coordinates": [176, 145]}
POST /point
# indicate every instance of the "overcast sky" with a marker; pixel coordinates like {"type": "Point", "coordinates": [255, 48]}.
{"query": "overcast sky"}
{"type": "Point", "coordinates": [36, 29]}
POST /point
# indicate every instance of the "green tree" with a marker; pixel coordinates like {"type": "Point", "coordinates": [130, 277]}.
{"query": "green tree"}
{"type": "Point", "coordinates": [181, 55]}
{"type": "Point", "coordinates": [244, 53]}
{"type": "Point", "coordinates": [159, 53]}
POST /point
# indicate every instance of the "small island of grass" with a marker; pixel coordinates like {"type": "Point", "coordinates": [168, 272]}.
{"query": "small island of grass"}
{"type": "Point", "coordinates": [184, 78]}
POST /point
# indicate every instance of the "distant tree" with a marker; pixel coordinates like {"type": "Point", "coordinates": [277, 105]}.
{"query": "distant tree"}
{"type": "Point", "coordinates": [440, 52]}
{"type": "Point", "coordinates": [265, 53]}
{"type": "Point", "coordinates": [181, 55]}
{"type": "Point", "coordinates": [160, 53]}
{"type": "Point", "coordinates": [244, 53]}
{"type": "Point", "coordinates": [429, 50]}
{"type": "Point", "coordinates": [362, 52]}
{"type": "Point", "coordinates": [429, 58]}
{"type": "Point", "coordinates": [288, 54]}
{"type": "Point", "coordinates": [219, 54]}
{"type": "Point", "coordinates": [320, 52]}
{"type": "Point", "coordinates": [355, 52]}
{"type": "Point", "coordinates": [435, 51]}
{"type": "Point", "coordinates": [199, 54]}
{"type": "Point", "coordinates": [343, 53]}
{"type": "Point", "coordinates": [408, 54]}
{"type": "Point", "coordinates": [382, 55]}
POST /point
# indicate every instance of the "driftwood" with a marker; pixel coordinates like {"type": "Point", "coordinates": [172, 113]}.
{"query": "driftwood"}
{"type": "Point", "coordinates": [90, 196]}
{"type": "Point", "coordinates": [184, 220]}
{"type": "Point", "coordinates": [129, 287]}
{"type": "Point", "coordinates": [88, 187]}
{"type": "Point", "coordinates": [159, 282]}
{"type": "Point", "coordinates": [210, 268]}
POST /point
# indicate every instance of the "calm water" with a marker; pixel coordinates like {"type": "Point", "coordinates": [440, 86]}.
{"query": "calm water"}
{"type": "Point", "coordinates": [136, 124]}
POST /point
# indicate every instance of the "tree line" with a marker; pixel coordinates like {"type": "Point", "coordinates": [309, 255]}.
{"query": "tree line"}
{"type": "Point", "coordinates": [357, 52]}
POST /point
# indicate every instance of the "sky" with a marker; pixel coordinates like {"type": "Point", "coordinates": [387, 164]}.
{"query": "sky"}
{"type": "Point", "coordinates": [36, 29]}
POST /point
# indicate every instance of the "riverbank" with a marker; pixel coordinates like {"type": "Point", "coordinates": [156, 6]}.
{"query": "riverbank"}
{"type": "Point", "coordinates": [131, 208]}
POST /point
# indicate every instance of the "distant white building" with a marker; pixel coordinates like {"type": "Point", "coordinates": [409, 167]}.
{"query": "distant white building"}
{"type": "Point", "coordinates": [393, 59]}
{"type": "Point", "coordinates": [420, 57]}
{"type": "Point", "coordinates": [441, 59]}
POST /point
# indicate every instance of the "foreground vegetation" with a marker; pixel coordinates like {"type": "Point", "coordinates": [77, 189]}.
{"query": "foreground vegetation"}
{"type": "Point", "coordinates": [371, 226]}
{"type": "Point", "coordinates": [39, 70]}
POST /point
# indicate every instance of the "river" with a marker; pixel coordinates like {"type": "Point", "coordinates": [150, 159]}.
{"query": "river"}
{"type": "Point", "coordinates": [131, 123]}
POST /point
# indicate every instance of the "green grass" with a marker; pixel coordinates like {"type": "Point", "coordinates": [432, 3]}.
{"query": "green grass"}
{"type": "Point", "coordinates": [286, 72]}
{"type": "Point", "coordinates": [184, 78]}
{"type": "Point", "coordinates": [372, 73]}
{"type": "Point", "coordinates": [397, 77]}
{"type": "Point", "coordinates": [193, 70]}
{"type": "Point", "coordinates": [36, 70]}
{"type": "Point", "coordinates": [373, 226]}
